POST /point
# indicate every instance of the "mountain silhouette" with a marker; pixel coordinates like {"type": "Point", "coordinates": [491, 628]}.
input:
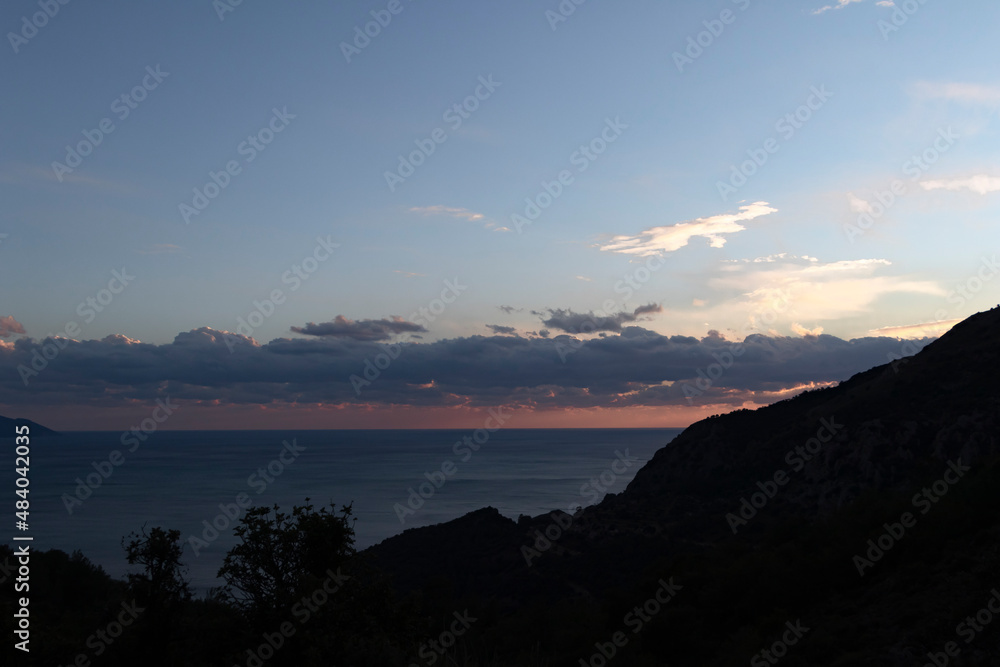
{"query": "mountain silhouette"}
{"type": "Point", "coordinates": [8, 426]}
{"type": "Point", "coordinates": [867, 511]}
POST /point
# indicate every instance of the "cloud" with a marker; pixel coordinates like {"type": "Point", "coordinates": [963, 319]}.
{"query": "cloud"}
{"type": "Point", "coordinates": [967, 93]}
{"type": "Point", "coordinates": [648, 308]}
{"type": "Point", "coordinates": [814, 290]}
{"type": "Point", "coordinates": [510, 309]}
{"type": "Point", "coordinates": [923, 330]}
{"type": "Point", "coordinates": [859, 205]}
{"type": "Point", "coordinates": [364, 330]}
{"type": "Point", "coordinates": [576, 323]}
{"type": "Point", "coordinates": [409, 274]}
{"type": "Point", "coordinates": [802, 331]}
{"type": "Point", "coordinates": [657, 240]}
{"type": "Point", "coordinates": [840, 5]}
{"type": "Point", "coordinates": [500, 329]}
{"type": "Point", "coordinates": [9, 326]}
{"type": "Point", "coordinates": [636, 368]}
{"type": "Point", "coordinates": [980, 184]}
{"type": "Point", "coordinates": [493, 226]}
{"type": "Point", "coordinates": [462, 213]}
{"type": "Point", "coordinates": [771, 259]}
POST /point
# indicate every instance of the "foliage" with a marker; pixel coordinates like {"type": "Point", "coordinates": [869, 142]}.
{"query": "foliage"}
{"type": "Point", "coordinates": [161, 582]}
{"type": "Point", "coordinates": [280, 555]}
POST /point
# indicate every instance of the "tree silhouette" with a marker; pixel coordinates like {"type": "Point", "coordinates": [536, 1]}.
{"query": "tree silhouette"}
{"type": "Point", "coordinates": [161, 584]}
{"type": "Point", "coordinates": [282, 556]}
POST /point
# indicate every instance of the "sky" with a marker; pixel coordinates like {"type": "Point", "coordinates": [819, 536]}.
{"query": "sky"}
{"type": "Point", "coordinates": [403, 214]}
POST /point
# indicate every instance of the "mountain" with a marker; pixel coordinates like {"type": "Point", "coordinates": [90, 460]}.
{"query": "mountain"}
{"type": "Point", "coordinates": [7, 426]}
{"type": "Point", "coordinates": [868, 512]}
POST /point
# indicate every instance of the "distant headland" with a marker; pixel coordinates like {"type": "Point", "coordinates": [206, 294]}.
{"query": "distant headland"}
{"type": "Point", "coordinates": [8, 426]}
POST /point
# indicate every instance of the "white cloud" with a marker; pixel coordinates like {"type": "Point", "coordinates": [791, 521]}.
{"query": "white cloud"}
{"type": "Point", "coordinates": [923, 330]}
{"type": "Point", "coordinates": [969, 93]}
{"type": "Point", "coordinates": [840, 5]}
{"type": "Point", "coordinates": [980, 184]}
{"type": "Point", "coordinates": [814, 291]}
{"type": "Point", "coordinates": [463, 213]}
{"type": "Point", "coordinates": [771, 259]}
{"type": "Point", "coordinates": [802, 331]}
{"type": "Point", "coordinates": [658, 240]}
{"type": "Point", "coordinates": [859, 205]}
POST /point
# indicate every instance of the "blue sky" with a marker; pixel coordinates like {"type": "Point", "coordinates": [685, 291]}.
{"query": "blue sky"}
{"type": "Point", "coordinates": [888, 94]}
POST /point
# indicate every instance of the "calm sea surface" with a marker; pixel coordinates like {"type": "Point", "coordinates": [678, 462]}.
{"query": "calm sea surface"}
{"type": "Point", "coordinates": [178, 480]}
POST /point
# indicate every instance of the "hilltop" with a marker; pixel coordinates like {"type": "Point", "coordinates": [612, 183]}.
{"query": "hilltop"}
{"type": "Point", "coordinates": [763, 517]}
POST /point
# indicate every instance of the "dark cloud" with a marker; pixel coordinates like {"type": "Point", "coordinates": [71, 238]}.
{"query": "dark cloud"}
{"type": "Point", "coordinates": [499, 329]}
{"type": "Point", "coordinates": [510, 309]}
{"type": "Point", "coordinates": [648, 308]}
{"type": "Point", "coordinates": [577, 323]}
{"type": "Point", "coordinates": [371, 330]}
{"type": "Point", "coordinates": [637, 367]}
{"type": "Point", "coordinates": [9, 326]}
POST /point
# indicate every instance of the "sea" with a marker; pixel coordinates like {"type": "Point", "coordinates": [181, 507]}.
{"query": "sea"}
{"type": "Point", "coordinates": [88, 490]}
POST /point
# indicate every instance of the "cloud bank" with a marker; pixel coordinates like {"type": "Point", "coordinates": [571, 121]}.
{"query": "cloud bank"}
{"type": "Point", "coordinates": [636, 368]}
